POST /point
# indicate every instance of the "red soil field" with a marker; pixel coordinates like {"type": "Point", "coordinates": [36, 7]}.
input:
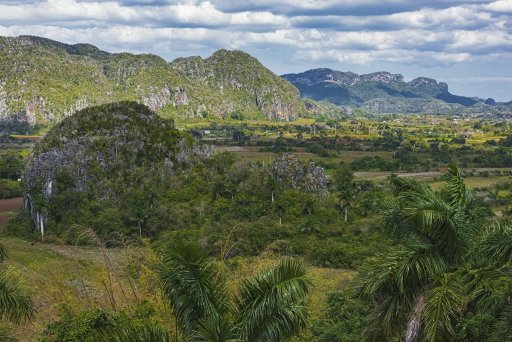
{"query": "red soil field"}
{"type": "Point", "coordinates": [6, 206]}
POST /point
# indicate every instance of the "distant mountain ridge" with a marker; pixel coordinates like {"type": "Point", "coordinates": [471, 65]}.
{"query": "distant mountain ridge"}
{"type": "Point", "coordinates": [42, 81]}
{"type": "Point", "coordinates": [387, 92]}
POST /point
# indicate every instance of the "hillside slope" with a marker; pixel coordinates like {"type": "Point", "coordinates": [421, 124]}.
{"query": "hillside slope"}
{"type": "Point", "coordinates": [245, 85]}
{"type": "Point", "coordinates": [42, 81]}
{"type": "Point", "coordinates": [104, 152]}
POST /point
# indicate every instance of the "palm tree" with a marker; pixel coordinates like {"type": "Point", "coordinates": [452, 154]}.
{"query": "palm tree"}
{"type": "Point", "coordinates": [267, 307]}
{"type": "Point", "coordinates": [144, 333]}
{"type": "Point", "coordinates": [422, 286]}
{"type": "Point", "coordinates": [15, 305]}
{"type": "Point", "coordinates": [496, 247]}
{"type": "Point", "coordinates": [345, 187]}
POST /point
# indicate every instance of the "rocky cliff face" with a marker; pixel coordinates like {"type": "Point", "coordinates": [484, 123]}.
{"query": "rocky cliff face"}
{"type": "Point", "coordinates": [100, 146]}
{"type": "Point", "coordinates": [324, 75]}
{"type": "Point", "coordinates": [3, 103]}
{"type": "Point", "coordinates": [42, 81]}
{"type": "Point", "coordinates": [383, 92]}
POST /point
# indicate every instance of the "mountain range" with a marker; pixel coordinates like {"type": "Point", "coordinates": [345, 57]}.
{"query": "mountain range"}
{"type": "Point", "coordinates": [383, 92]}
{"type": "Point", "coordinates": [43, 81]}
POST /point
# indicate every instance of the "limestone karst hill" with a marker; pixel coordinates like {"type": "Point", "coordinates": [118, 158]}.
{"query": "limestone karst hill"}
{"type": "Point", "coordinates": [42, 81]}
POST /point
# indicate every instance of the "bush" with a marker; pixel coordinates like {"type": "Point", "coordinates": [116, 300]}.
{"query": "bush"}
{"type": "Point", "coordinates": [86, 326]}
{"type": "Point", "coordinates": [10, 188]}
{"type": "Point", "coordinates": [342, 319]}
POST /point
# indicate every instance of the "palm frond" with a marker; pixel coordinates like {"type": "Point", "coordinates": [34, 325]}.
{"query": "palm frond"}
{"type": "Point", "coordinates": [193, 286]}
{"type": "Point", "coordinates": [484, 287]}
{"type": "Point", "coordinates": [5, 334]}
{"type": "Point", "coordinates": [430, 217]}
{"type": "Point", "coordinates": [403, 271]}
{"type": "Point", "coordinates": [384, 323]}
{"type": "Point", "coordinates": [394, 282]}
{"type": "Point", "coordinates": [497, 244]}
{"type": "Point", "coordinates": [443, 306]}
{"type": "Point", "coordinates": [454, 190]}
{"type": "Point", "coordinates": [138, 333]}
{"type": "Point", "coordinates": [406, 184]}
{"type": "Point", "coordinates": [502, 329]}
{"type": "Point", "coordinates": [215, 329]}
{"type": "Point", "coordinates": [420, 263]}
{"type": "Point", "coordinates": [271, 305]}
{"type": "Point", "coordinates": [15, 304]}
{"type": "Point", "coordinates": [393, 218]}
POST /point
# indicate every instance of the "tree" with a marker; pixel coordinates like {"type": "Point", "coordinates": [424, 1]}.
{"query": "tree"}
{"type": "Point", "coordinates": [139, 204]}
{"type": "Point", "coordinates": [344, 185]}
{"type": "Point", "coordinates": [423, 286]}
{"type": "Point", "coordinates": [11, 166]}
{"type": "Point", "coordinates": [496, 247]}
{"type": "Point", "coordinates": [268, 307]}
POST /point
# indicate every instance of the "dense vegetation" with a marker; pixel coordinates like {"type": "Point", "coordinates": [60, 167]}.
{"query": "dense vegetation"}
{"type": "Point", "coordinates": [43, 81]}
{"type": "Point", "coordinates": [428, 258]}
{"type": "Point", "coordinates": [11, 168]}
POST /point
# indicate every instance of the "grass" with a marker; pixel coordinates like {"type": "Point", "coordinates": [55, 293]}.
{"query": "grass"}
{"type": "Point", "coordinates": [77, 276]}
{"type": "Point", "coordinates": [477, 182]}
{"type": "Point", "coordinates": [326, 280]}
{"type": "Point", "coordinates": [251, 153]}
{"type": "Point", "coordinates": [57, 275]}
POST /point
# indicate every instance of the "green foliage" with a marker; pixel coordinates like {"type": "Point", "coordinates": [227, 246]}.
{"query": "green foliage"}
{"type": "Point", "coordinates": [343, 181]}
{"type": "Point", "coordinates": [11, 165]}
{"type": "Point", "coordinates": [5, 335]}
{"type": "Point", "coordinates": [15, 303]}
{"type": "Point", "coordinates": [99, 325]}
{"type": "Point", "coordinates": [343, 319]}
{"type": "Point", "coordinates": [10, 188]}
{"type": "Point", "coordinates": [445, 274]}
{"type": "Point", "coordinates": [133, 333]}
{"type": "Point", "coordinates": [54, 80]}
{"type": "Point", "coordinates": [269, 306]}
{"type": "Point", "coordinates": [193, 285]}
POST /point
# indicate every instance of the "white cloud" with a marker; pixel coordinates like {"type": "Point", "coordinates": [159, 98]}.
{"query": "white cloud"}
{"type": "Point", "coordinates": [421, 32]}
{"type": "Point", "coordinates": [424, 58]}
{"type": "Point", "coordinates": [504, 6]}
{"type": "Point", "coordinates": [69, 11]}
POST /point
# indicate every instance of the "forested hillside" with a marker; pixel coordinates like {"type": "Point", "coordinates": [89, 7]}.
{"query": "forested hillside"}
{"type": "Point", "coordinates": [43, 81]}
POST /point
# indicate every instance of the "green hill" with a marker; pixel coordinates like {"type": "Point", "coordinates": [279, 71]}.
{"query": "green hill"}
{"type": "Point", "coordinates": [244, 86]}
{"type": "Point", "coordinates": [42, 81]}
{"type": "Point", "coordinates": [100, 154]}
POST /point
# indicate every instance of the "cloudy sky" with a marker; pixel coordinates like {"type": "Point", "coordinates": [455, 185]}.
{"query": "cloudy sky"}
{"type": "Point", "coordinates": [466, 43]}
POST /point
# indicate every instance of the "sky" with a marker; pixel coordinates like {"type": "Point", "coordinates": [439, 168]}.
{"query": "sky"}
{"type": "Point", "coordinates": [466, 43]}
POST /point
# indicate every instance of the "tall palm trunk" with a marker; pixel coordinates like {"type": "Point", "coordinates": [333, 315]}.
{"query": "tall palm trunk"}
{"type": "Point", "coordinates": [414, 325]}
